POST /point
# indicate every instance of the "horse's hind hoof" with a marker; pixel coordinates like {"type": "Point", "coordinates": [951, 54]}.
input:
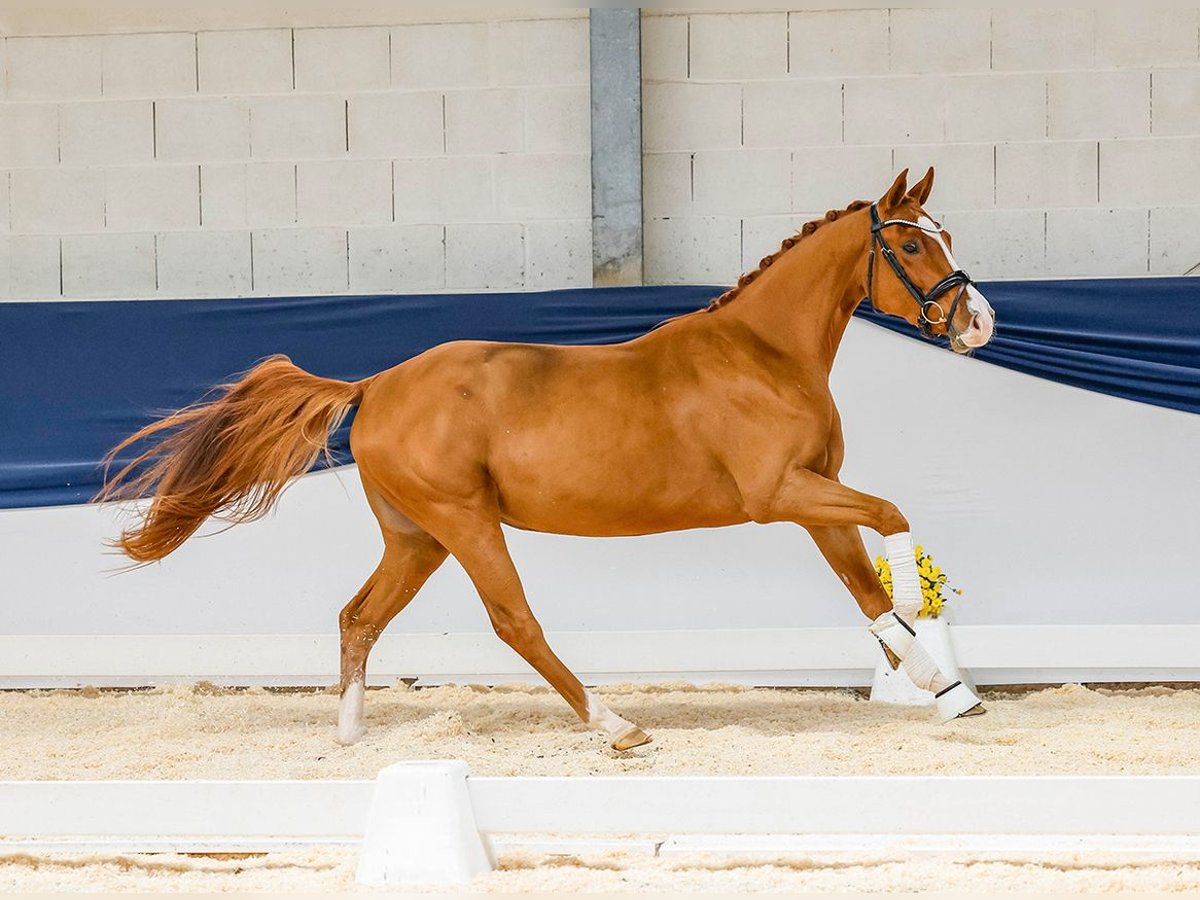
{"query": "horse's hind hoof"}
{"type": "Point", "coordinates": [977, 710]}
{"type": "Point", "coordinates": [634, 737]}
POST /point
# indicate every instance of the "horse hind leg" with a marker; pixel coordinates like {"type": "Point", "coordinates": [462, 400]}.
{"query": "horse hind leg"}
{"type": "Point", "coordinates": [409, 558]}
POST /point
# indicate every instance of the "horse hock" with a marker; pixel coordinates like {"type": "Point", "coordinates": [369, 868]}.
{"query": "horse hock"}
{"type": "Point", "coordinates": [954, 699]}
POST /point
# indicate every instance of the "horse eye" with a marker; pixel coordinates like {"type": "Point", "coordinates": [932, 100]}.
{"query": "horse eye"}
{"type": "Point", "coordinates": [911, 247]}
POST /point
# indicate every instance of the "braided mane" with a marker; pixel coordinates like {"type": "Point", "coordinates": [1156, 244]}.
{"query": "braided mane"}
{"type": "Point", "coordinates": [788, 243]}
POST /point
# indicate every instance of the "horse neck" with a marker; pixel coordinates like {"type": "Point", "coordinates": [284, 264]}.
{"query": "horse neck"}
{"type": "Point", "coordinates": [802, 302]}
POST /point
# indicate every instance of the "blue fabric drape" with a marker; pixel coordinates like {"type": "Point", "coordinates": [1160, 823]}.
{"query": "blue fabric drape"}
{"type": "Point", "coordinates": [77, 377]}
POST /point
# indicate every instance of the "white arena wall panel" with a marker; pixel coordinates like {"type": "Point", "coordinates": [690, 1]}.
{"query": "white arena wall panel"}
{"type": "Point", "coordinates": [1050, 506]}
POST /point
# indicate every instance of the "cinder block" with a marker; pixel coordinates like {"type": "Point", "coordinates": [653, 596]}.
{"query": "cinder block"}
{"type": "Point", "coordinates": [299, 261]}
{"type": "Point", "coordinates": [545, 51]}
{"type": "Point", "coordinates": [4, 206]}
{"type": "Point", "coordinates": [1174, 240]}
{"type": "Point", "coordinates": [1176, 106]}
{"type": "Point", "coordinates": [882, 111]}
{"type": "Point", "coordinates": [1152, 172]}
{"type": "Point", "coordinates": [28, 134]}
{"type": "Point", "coordinates": [838, 42]}
{"type": "Point", "coordinates": [485, 257]}
{"type": "Point", "coordinates": [297, 127]}
{"type": "Point", "coordinates": [999, 107]}
{"type": "Point", "coordinates": [558, 120]}
{"type": "Point", "coordinates": [30, 267]}
{"type": "Point", "coordinates": [108, 265]}
{"type": "Point", "coordinates": [1046, 173]}
{"type": "Point", "coordinates": [1032, 39]}
{"type": "Point", "coordinates": [1097, 242]}
{"type": "Point", "coordinates": [560, 254]}
{"type": "Point", "coordinates": [664, 48]}
{"type": "Point", "coordinates": [763, 235]}
{"type": "Point", "coordinates": [489, 121]}
{"type": "Point", "coordinates": [235, 195]}
{"type": "Point", "coordinates": [257, 61]}
{"type": "Point", "coordinates": [999, 243]}
{"type": "Point", "coordinates": [940, 40]}
{"type": "Point", "coordinates": [397, 258]}
{"type": "Point", "coordinates": [53, 68]}
{"type": "Point", "coordinates": [440, 56]}
{"type": "Point", "coordinates": [792, 113]}
{"type": "Point", "coordinates": [691, 116]}
{"type": "Point", "coordinates": [1099, 104]}
{"type": "Point", "coordinates": [738, 46]}
{"type": "Point", "coordinates": [964, 173]}
{"type": "Point", "coordinates": [436, 191]}
{"type": "Point", "coordinates": [344, 192]}
{"type": "Point", "coordinates": [742, 182]}
{"type": "Point", "coordinates": [145, 198]}
{"type": "Point", "coordinates": [112, 132]}
{"type": "Point", "coordinates": [149, 65]}
{"type": "Point", "coordinates": [826, 178]}
{"type": "Point", "coordinates": [202, 129]}
{"type": "Point", "coordinates": [396, 124]}
{"type": "Point", "coordinates": [336, 59]}
{"type": "Point", "coordinates": [666, 183]}
{"type": "Point", "coordinates": [204, 263]}
{"type": "Point", "coordinates": [1141, 36]}
{"type": "Point", "coordinates": [543, 185]}
{"type": "Point", "coordinates": [56, 200]}
{"type": "Point", "coordinates": [694, 250]}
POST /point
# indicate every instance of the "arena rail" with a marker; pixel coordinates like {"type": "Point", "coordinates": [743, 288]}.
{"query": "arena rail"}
{"type": "Point", "coordinates": [790, 814]}
{"type": "Point", "coordinates": [844, 656]}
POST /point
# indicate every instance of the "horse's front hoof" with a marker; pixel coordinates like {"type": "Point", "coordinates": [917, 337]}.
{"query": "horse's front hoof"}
{"type": "Point", "coordinates": [977, 710]}
{"type": "Point", "coordinates": [348, 736]}
{"type": "Point", "coordinates": [634, 737]}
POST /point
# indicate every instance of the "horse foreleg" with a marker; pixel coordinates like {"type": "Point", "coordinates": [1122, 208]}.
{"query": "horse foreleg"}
{"type": "Point", "coordinates": [832, 512]}
{"type": "Point", "coordinates": [408, 561]}
{"type": "Point", "coordinates": [479, 545]}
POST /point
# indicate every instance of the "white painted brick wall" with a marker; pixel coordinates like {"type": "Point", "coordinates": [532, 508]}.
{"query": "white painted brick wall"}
{"type": "Point", "coordinates": [32, 269]}
{"type": "Point", "coordinates": [762, 235]}
{"type": "Point", "coordinates": [544, 51]}
{"type": "Point", "coordinates": [543, 185]}
{"type": "Point", "coordinates": [53, 68]}
{"type": "Point", "coordinates": [1036, 119]}
{"type": "Point", "coordinates": [245, 62]}
{"type": "Point", "coordinates": [396, 124]}
{"type": "Point", "coordinates": [558, 119]}
{"type": "Point", "coordinates": [336, 59]}
{"type": "Point", "coordinates": [108, 265]}
{"type": "Point", "coordinates": [311, 126]}
{"type": "Point", "coordinates": [1174, 241]}
{"type": "Point", "coordinates": [485, 257]}
{"type": "Point", "coordinates": [486, 121]}
{"type": "Point", "coordinates": [202, 129]}
{"type": "Point", "coordinates": [448, 189]}
{"type": "Point", "coordinates": [148, 65]}
{"type": "Point", "coordinates": [348, 192]}
{"type": "Point", "coordinates": [440, 56]}
{"type": "Point", "coordinates": [397, 258]}
{"type": "Point", "coordinates": [28, 134]}
{"type": "Point", "coordinates": [152, 197]}
{"type": "Point", "coordinates": [300, 261]}
{"type": "Point", "coordinates": [254, 195]}
{"type": "Point", "coordinates": [56, 201]}
{"type": "Point", "coordinates": [204, 263]}
{"type": "Point", "coordinates": [559, 254]}
{"type": "Point", "coordinates": [117, 132]}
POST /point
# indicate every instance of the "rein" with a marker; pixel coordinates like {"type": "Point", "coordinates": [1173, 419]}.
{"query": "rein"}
{"type": "Point", "coordinates": [926, 300]}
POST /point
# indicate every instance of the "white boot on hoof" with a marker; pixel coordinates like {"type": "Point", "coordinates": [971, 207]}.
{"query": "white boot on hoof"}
{"type": "Point", "coordinates": [957, 700]}
{"type": "Point", "coordinates": [351, 727]}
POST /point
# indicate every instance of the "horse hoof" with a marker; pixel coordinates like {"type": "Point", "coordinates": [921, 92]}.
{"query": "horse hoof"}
{"type": "Point", "coordinates": [977, 710]}
{"type": "Point", "coordinates": [351, 736]}
{"type": "Point", "coordinates": [634, 737]}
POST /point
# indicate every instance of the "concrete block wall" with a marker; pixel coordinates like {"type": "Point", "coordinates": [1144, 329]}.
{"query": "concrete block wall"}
{"type": "Point", "coordinates": [1066, 141]}
{"type": "Point", "coordinates": [273, 161]}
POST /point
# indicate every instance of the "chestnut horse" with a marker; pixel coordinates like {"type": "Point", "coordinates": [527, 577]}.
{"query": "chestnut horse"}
{"type": "Point", "coordinates": [718, 417]}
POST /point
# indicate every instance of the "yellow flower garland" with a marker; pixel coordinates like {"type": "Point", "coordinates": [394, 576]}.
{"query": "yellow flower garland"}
{"type": "Point", "coordinates": [932, 582]}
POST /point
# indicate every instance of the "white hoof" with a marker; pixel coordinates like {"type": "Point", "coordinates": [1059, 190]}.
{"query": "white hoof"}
{"type": "Point", "coordinates": [955, 701]}
{"type": "Point", "coordinates": [351, 735]}
{"type": "Point", "coordinates": [350, 714]}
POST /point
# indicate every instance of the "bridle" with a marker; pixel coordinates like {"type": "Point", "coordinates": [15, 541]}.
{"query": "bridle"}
{"type": "Point", "coordinates": [927, 300]}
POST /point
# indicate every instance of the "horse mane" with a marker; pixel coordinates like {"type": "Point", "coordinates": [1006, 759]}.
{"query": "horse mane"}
{"type": "Point", "coordinates": [788, 243]}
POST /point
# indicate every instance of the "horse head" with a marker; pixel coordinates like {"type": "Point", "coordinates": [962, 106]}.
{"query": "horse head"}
{"type": "Point", "coordinates": [911, 272]}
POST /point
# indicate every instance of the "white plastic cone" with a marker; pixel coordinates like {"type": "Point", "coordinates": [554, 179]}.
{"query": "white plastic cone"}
{"type": "Point", "coordinates": [421, 828]}
{"type": "Point", "coordinates": [894, 686]}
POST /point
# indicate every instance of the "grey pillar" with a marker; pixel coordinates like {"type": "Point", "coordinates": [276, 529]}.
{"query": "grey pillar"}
{"type": "Point", "coordinates": [616, 62]}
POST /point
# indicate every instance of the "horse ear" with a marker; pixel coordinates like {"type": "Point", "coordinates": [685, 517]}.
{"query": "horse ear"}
{"type": "Point", "coordinates": [895, 194]}
{"type": "Point", "coordinates": [922, 189]}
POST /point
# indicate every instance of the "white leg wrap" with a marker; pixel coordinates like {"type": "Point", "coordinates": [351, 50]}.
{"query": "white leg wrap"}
{"type": "Point", "coordinates": [906, 583]}
{"type": "Point", "coordinates": [953, 699]}
{"type": "Point", "coordinates": [350, 714]}
{"type": "Point", "coordinates": [604, 719]}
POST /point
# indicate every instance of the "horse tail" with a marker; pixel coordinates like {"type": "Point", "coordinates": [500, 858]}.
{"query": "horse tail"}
{"type": "Point", "coordinates": [232, 454]}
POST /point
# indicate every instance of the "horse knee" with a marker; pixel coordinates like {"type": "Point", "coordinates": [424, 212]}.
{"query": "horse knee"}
{"type": "Point", "coordinates": [517, 631]}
